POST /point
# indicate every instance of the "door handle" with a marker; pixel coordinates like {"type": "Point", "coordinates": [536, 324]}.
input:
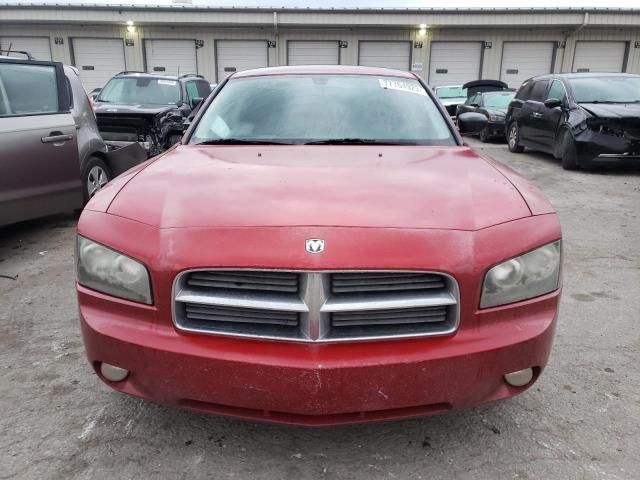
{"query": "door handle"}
{"type": "Point", "coordinates": [536, 114]}
{"type": "Point", "coordinates": [57, 138]}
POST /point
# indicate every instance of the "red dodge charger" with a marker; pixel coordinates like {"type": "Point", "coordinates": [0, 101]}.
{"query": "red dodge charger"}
{"type": "Point", "coordinates": [321, 248]}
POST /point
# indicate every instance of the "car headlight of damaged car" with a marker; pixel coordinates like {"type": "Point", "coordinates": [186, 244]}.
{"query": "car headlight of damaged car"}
{"type": "Point", "coordinates": [526, 276]}
{"type": "Point", "coordinates": [108, 271]}
{"type": "Point", "coordinates": [496, 118]}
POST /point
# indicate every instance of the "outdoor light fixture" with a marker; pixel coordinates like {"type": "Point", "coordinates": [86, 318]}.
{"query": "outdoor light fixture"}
{"type": "Point", "coordinates": [423, 29]}
{"type": "Point", "coordinates": [131, 27]}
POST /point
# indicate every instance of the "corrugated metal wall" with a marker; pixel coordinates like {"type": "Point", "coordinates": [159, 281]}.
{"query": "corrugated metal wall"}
{"type": "Point", "coordinates": [491, 62]}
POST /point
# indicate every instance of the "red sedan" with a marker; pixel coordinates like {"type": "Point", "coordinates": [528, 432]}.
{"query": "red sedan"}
{"type": "Point", "coordinates": [321, 248]}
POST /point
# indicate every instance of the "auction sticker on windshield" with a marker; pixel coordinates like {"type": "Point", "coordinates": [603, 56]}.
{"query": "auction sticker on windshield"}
{"type": "Point", "coordinates": [402, 85]}
{"type": "Point", "coordinates": [166, 82]}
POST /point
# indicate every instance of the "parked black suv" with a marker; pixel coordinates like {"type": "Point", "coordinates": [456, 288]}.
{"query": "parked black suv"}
{"type": "Point", "coordinates": [147, 108]}
{"type": "Point", "coordinates": [580, 118]}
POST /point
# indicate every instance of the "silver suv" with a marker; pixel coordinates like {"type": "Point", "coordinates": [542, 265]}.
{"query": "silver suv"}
{"type": "Point", "coordinates": [52, 157]}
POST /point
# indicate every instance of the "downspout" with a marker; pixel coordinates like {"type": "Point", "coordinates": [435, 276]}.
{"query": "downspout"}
{"type": "Point", "coordinates": [276, 36]}
{"type": "Point", "coordinates": [585, 22]}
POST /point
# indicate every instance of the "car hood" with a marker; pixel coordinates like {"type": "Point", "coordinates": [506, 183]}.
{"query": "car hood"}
{"type": "Point", "coordinates": [360, 186]}
{"type": "Point", "coordinates": [612, 110]}
{"type": "Point", "coordinates": [139, 109]}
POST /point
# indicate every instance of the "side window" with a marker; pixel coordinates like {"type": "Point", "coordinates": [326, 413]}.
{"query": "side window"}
{"type": "Point", "coordinates": [557, 91]}
{"type": "Point", "coordinates": [204, 89]}
{"type": "Point", "coordinates": [524, 93]}
{"type": "Point", "coordinates": [70, 90]}
{"type": "Point", "coordinates": [473, 99]}
{"type": "Point", "coordinates": [539, 90]}
{"type": "Point", "coordinates": [192, 90]}
{"type": "Point", "coordinates": [27, 89]}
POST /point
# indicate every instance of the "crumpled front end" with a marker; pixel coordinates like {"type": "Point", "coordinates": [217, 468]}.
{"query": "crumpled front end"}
{"type": "Point", "coordinates": [601, 139]}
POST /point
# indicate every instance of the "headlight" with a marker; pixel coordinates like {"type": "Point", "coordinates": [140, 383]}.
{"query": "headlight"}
{"type": "Point", "coordinates": [496, 118]}
{"type": "Point", "coordinates": [111, 272]}
{"type": "Point", "coordinates": [527, 276]}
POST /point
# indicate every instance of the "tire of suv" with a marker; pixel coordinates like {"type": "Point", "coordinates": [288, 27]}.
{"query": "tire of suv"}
{"type": "Point", "coordinates": [513, 138]}
{"type": "Point", "coordinates": [568, 154]}
{"type": "Point", "coordinates": [95, 175]}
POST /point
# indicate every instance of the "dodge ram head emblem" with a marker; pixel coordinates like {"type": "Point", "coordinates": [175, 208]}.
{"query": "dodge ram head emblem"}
{"type": "Point", "coordinates": [314, 245]}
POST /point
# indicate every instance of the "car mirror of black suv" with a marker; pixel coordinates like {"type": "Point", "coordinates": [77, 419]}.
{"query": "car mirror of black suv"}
{"type": "Point", "coordinates": [471, 122]}
{"type": "Point", "coordinates": [196, 101]}
{"type": "Point", "coordinates": [552, 103]}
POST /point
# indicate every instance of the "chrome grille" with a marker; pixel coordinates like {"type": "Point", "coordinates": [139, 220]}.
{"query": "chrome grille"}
{"type": "Point", "coordinates": [316, 306]}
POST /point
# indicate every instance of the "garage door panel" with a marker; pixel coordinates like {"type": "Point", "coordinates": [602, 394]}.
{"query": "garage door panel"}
{"type": "Point", "coordinates": [38, 47]}
{"type": "Point", "coordinates": [395, 55]}
{"type": "Point", "coordinates": [237, 55]}
{"type": "Point", "coordinates": [454, 63]}
{"type": "Point", "coordinates": [523, 60]}
{"type": "Point", "coordinates": [313, 53]}
{"type": "Point", "coordinates": [170, 57]}
{"type": "Point", "coordinates": [599, 56]}
{"type": "Point", "coordinates": [98, 59]}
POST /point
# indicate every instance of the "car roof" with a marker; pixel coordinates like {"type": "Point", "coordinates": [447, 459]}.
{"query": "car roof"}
{"type": "Point", "coordinates": [323, 70]}
{"type": "Point", "coordinates": [584, 75]}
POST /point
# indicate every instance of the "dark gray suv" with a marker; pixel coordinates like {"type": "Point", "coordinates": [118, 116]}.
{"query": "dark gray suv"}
{"type": "Point", "coordinates": [52, 157]}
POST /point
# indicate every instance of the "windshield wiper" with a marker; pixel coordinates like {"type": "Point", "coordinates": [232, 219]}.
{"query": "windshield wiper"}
{"type": "Point", "coordinates": [241, 141]}
{"type": "Point", "coordinates": [610, 102]}
{"type": "Point", "coordinates": [356, 141]}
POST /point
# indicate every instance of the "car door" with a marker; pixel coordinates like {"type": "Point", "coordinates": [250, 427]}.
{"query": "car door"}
{"type": "Point", "coordinates": [530, 126]}
{"type": "Point", "coordinates": [550, 118]}
{"type": "Point", "coordinates": [39, 153]}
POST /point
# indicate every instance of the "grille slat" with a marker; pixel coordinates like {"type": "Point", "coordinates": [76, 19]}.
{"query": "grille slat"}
{"type": "Point", "coordinates": [240, 315]}
{"type": "Point", "coordinates": [356, 282]}
{"type": "Point", "coordinates": [316, 306]}
{"type": "Point", "coordinates": [233, 280]}
{"type": "Point", "coordinates": [388, 317]}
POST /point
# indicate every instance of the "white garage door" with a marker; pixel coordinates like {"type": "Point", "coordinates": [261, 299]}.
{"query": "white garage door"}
{"type": "Point", "coordinates": [599, 56]}
{"type": "Point", "coordinates": [98, 59]}
{"type": "Point", "coordinates": [313, 53]}
{"type": "Point", "coordinates": [385, 54]}
{"type": "Point", "coordinates": [236, 55]}
{"type": "Point", "coordinates": [170, 57]}
{"type": "Point", "coordinates": [37, 46]}
{"type": "Point", "coordinates": [454, 63]}
{"type": "Point", "coordinates": [523, 60]}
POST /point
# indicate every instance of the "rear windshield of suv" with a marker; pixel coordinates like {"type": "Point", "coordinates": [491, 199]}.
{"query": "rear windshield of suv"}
{"type": "Point", "coordinates": [315, 108]}
{"type": "Point", "coordinates": [606, 89]}
{"type": "Point", "coordinates": [451, 92]}
{"type": "Point", "coordinates": [140, 91]}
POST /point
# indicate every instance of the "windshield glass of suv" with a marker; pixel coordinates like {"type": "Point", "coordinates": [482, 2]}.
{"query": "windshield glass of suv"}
{"type": "Point", "coordinates": [451, 92]}
{"type": "Point", "coordinates": [606, 89]}
{"type": "Point", "coordinates": [315, 108]}
{"type": "Point", "coordinates": [141, 90]}
{"type": "Point", "coordinates": [498, 100]}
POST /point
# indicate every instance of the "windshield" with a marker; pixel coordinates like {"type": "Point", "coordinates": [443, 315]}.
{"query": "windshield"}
{"type": "Point", "coordinates": [322, 109]}
{"type": "Point", "coordinates": [141, 90]}
{"type": "Point", "coordinates": [498, 100]}
{"type": "Point", "coordinates": [451, 92]}
{"type": "Point", "coordinates": [606, 89]}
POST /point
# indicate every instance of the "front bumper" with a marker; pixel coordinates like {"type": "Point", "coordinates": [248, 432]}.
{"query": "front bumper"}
{"type": "Point", "coordinates": [593, 147]}
{"type": "Point", "coordinates": [496, 129]}
{"type": "Point", "coordinates": [317, 384]}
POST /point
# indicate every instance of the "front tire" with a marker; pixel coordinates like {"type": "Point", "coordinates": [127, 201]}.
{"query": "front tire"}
{"type": "Point", "coordinates": [483, 135]}
{"type": "Point", "coordinates": [95, 175]}
{"type": "Point", "coordinates": [569, 155]}
{"type": "Point", "coordinates": [513, 138]}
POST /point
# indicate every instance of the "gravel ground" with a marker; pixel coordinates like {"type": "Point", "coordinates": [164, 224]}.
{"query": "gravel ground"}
{"type": "Point", "coordinates": [580, 421]}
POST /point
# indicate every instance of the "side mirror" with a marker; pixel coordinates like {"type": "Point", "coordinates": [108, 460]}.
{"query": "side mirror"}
{"type": "Point", "coordinates": [471, 122]}
{"type": "Point", "coordinates": [196, 101]}
{"type": "Point", "coordinates": [552, 103]}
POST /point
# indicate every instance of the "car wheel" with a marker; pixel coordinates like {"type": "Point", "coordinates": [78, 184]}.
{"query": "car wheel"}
{"type": "Point", "coordinates": [569, 158]}
{"type": "Point", "coordinates": [95, 176]}
{"type": "Point", "coordinates": [483, 135]}
{"type": "Point", "coordinates": [513, 138]}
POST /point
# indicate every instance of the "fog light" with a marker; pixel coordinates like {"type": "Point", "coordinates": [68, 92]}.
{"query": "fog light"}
{"type": "Point", "coordinates": [519, 378]}
{"type": "Point", "coordinates": [113, 373]}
